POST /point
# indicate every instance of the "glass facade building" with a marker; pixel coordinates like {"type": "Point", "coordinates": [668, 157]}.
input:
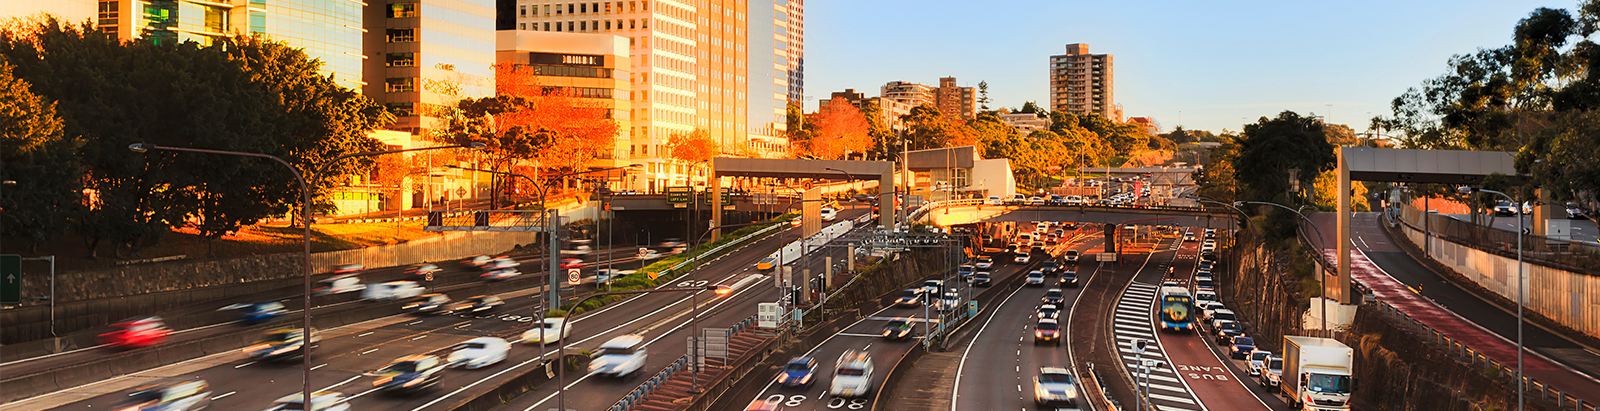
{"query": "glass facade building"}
{"type": "Point", "coordinates": [428, 53]}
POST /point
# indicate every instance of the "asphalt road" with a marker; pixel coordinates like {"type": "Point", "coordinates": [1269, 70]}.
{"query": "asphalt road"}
{"type": "Point", "coordinates": [1582, 230]}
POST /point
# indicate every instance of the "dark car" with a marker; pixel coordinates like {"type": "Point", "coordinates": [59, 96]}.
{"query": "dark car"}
{"type": "Point", "coordinates": [1069, 279]}
{"type": "Point", "coordinates": [427, 304]}
{"type": "Point", "coordinates": [1226, 330]}
{"type": "Point", "coordinates": [1053, 296]}
{"type": "Point", "coordinates": [409, 374]}
{"type": "Point", "coordinates": [799, 372]}
{"type": "Point", "coordinates": [897, 329]}
{"type": "Point", "coordinates": [1504, 208]}
{"type": "Point", "coordinates": [477, 304]}
{"type": "Point", "coordinates": [280, 344]}
{"type": "Point", "coordinates": [862, 198]}
{"type": "Point", "coordinates": [1049, 267]}
{"type": "Point", "coordinates": [168, 394]}
{"type": "Point", "coordinates": [1241, 347]}
{"type": "Point", "coordinates": [1576, 212]}
{"type": "Point", "coordinates": [909, 298]}
{"type": "Point", "coordinates": [981, 279]}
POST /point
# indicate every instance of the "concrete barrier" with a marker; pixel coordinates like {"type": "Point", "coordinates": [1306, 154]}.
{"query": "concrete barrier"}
{"type": "Point", "coordinates": [488, 397]}
{"type": "Point", "coordinates": [901, 367]}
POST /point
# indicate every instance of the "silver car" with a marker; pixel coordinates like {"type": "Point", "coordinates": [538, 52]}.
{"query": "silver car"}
{"type": "Point", "coordinates": [1055, 386]}
{"type": "Point", "coordinates": [1258, 361]}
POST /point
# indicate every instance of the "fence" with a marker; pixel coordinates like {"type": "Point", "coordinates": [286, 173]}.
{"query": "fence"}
{"type": "Point", "coordinates": [1461, 352]}
{"type": "Point", "coordinates": [1554, 252]}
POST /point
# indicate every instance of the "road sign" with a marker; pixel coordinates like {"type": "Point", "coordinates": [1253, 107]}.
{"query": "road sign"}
{"type": "Point", "coordinates": [1105, 257]}
{"type": "Point", "coordinates": [574, 275]}
{"type": "Point", "coordinates": [10, 278]}
{"type": "Point", "coordinates": [678, 195]}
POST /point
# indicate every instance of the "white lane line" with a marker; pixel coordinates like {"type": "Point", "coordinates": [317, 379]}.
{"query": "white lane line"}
{"type": "Point", "coordinates": [1166, 387]}
{"type": "Point", "coordinates": [859, 335]}
{"type": "Point", "coordinates": [223, 395]}
{"type": "Point", "coordinates": [361, 394]}
{"type": "Point", "coordinates": [319, 366]}
{"type": "Point", "coordinates": [1171, 398]}
{"type": "Point", "coordinates": [420, 337]}
{"type": "Point", "coordinates": [365, 334]}
{"type": "Point", "coordinates": [414, 322]}
{"type": "Point", "coordinates": [956, 393]}
{"type": "Point", "coordinates": [369, 351]}
{"type": "Point", "coordinates": [243, 365]}
{"type": "Point", "coordinates": [346, 381]}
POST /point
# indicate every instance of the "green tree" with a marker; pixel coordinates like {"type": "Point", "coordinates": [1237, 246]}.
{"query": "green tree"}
{"type": "Point", "coordinates": [1216, 178]}
{"type": "Point", "coordinates": [926, 129]}
{"type": "Point", "coordinates": [983, 95]}
{"type": "Point", "coordinates": [1340, 135]}
{"type": "Point", "coordinates": [40, 160]}
{"type": "Point", "coordinates": [882, 137]}
{"type": "Point", "coordinates": [1271, 147]}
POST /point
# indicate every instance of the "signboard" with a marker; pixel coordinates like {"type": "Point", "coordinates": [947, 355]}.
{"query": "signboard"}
{"type": "Point", "coordinates": [10, 278]}
{"type": "Point", "coordinates": [678, 195]}
{"type": "Point", "coordinates": [972, 308]}
{"type": "Point", "coordinates": [768, 315]}
{"type": "Point", "coordinates": [1105, 257]}
{"type": "Point", "coordinates": [574, 275]}
{"type": "Point", "coordinates": [705, 198]}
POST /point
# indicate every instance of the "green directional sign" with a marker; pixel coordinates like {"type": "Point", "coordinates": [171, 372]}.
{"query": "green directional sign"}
{"type": "Point", "coordinates": [10, 279]}
{"type": "Point", "coordinates": [678, 195]}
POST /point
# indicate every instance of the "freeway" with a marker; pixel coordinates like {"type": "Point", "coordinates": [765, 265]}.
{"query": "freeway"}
{"type": "Point", "coordinates": [1582, 229]}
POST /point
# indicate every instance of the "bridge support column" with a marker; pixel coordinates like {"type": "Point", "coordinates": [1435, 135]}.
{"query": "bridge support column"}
{"type": "Point", "coordinates": [716, 203]}
{"type": "Point", "coordinates": [1342, 289]}
{"type": "Point", "coordinates": [888, 204]}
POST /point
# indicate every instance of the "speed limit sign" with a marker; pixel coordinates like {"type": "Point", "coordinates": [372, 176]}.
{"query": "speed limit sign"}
{"type": "Point", "coordinates": [573, 276]}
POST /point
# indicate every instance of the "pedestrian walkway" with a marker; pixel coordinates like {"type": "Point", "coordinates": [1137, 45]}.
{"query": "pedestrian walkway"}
{"type": "Point", "coordinates": [1132, 322]}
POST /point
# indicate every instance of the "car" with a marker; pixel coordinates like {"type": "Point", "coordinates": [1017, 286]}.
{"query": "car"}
{"type": "Point", "coordinates": [794, 222]}
{"type": "Point", "coordinates": [984, 263]}
{"type": "Point", "coordinates": [1211, 233]}
{"type": "Point", "coordinates": [932, 287]}
{"type": "Point", "coordinates": [1020, 257]}
{"type": "Point", "coordinates": [673, 244]}
{"type": "Point", "coordinates": [981, 279]}
{"type": "Point", "coordinates": [409, 374]}
{"type": "Point", "coordinates": [1047, 330]}
{"type": "Point", "coordinates": [259, 312]}
{"type": "Point", "coordinates": [1169, 283]}
{"type": "Point", "coordinates": [1240, 347]}
{"type": "Point", "coordinates": [478, 353]}
{"type": "Point", "coordinates": [828, 214]}
{"type": "Point", "coordinates": [1069, 279]}
{"type": "Point", "coordinates": [1226, 330]}
{"type": "Point", "coordinates": [910, 297]}
{"type": "Point", "coordinates": [501, 264]}
{"type": "Point", "coordinates": [1053, 296]}
{"type": "Point", "coordinates": [280, 344]}
{"type": "Point", "coordinates": [136, 332]}
{"type": "Point", "coordinates": [477, 261]}
{"type": "Point", "coordinates": [862, 198]}
{"type": "Point", "coordinates": [1048, 311]}
{"type": "Point", "coordinates": [1055, 387]}
{"type": "Point", "coordinates": [852, 375]}
{"type": "Point", "coordinates": [545, 331]}
{"type": "Point", "coordinates": [1074, 200]}
{"type": "Point", "coordinates": [1204, 283]}
{"type": "Point", "coordinates": [619, 357]}
{"type": "Point", "coordinates": [949, 301]}
{"type": "Point", "coordinates": [320, 401]}
{"type": "Point", "coordinates": [992, 200]}
{"type": "Point", "coordinates": [1018, 199]}
{"type": "Point", "coordinates": [571, 263]}
{"type": "Point", "coordinates": [393, 290]}
{"type": "Point", "coordinates": [1035, 200]}
{"type": "Point", "coordinates": [342, 269]}
{"type": "Point", "coordinates": [1222, 314]}
{"type": "Point", "coordinates": [965, 271]}
{"type": "Point", "coordinates": [423, 270]}
{"type": "Point", "coordinates": [1504, 208]}
{"type": "Point", "coordinates": [798, 372]}
{"type": "Point", "coordinates": [1203, 297]}
{"type": "Point", "coordinates": [897, 329]}
{"type": "Point", "coordinates": [1258, 361]}
{"type": "Point", "coordinates": [1035, 279]}
{"type": "Point", "coordinates": [1207, 309]}
{"type": "Point", "coordinates": [1049, 267]}
{"type": "Point", "coordinates": [649, 254]}
{"type": "Point", "coordinates": [1189, 237]}
{"type": "Point", "coordinates": [428, 304]}
{"type": "Point", "coordinates": [1576, 212]}
{"type": "Point", "coordinates": [168, 394]}
{"type": "Point", "coordinates": [1272, 374]}
{"type": "Point", "coordinates": [500, 274]}
{"type": "Point", "coordinates": [1071, 256]}
{"type": "Point", "coordinates": [476, 304]}
{"type": "Point", "coordinates": [338, 284]}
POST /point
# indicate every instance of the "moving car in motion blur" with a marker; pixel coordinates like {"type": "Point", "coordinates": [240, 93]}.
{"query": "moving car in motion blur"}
{"type": "Point", "coordinates": [136, 332]}
{"type": "Point", "coordinates": [409, 374]}
{"type": "Point", "coordinates": [852, 375]}
{"type": "Point", "coordinates": [620, 357]}
{"type": "Point", "coordinates": [428, 304]}
{"type": "Point", "coordinates": [1069, 279]}
{"type": "Point", "coordinates": [546, 331]}
{"type": "Point", "coordinates": [799, 372]}
{"type": "Point", "coordinates": [320, 401]}
{"type": "Point", "coordinates": [910, 297]}
{"type": "Point", "coordinates": [1054, 387]}
{"type": "Point", "coordinates": [478, 353]}
{"type": "Point", "coordinates": [257, 313]}
{"type": "Point", "coordinates": [1047, 330]}
{"type": "Point", "coordinates": [280, 344]}
{"type": "Point", "coordinates": [476, 304]}
{"type": "Point", "coordinates": [171, 394]}
{"type": "Point", "coordinates": [897, 329]}
{"type": "Point", "coordinates": [1239, 347]}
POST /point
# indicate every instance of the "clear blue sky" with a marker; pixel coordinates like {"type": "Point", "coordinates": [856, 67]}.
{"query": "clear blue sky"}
{"type": "Point", "coordinates": [1220, 63]}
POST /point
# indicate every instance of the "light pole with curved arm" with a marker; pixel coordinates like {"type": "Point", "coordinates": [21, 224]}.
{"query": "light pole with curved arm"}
{"type": "Point", "coordinates": [1469, 191]}
{"type": "Point", "coordinates": [1322, 275]}
{"type": "Point", "coordinates": [305, 207]}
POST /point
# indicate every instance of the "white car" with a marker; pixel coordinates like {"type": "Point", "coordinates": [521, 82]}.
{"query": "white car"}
{"type": "Point", "coordinates": [950, 301]}
{"type": "Point", "coordinates": [339, 284]}
{"type": "Point", "coordinates": [828, 214]}
{"type": "Point", "coordinates": [478, 353]}
{"type": "Point", "coordinates": [1207, 309]}
{"type": "Point", "coordinates": [620, 357]}
{"type": "Point", "coordinates": [546, 331]}
{"type": "Point", "coordinates": [1021, 257]}
{"type": "Point", "coordinates": [992, 200]}
{"type": "Point", "coordinates": [1035, 278]}
{"type": "Point", "coordinates": [320, 401]}
{"type": "Point", "coordinates": [932, 287]}
{"type": "Point", "coordinates": [852, 375]}
{"type": "Point", "coordinates": [501, 263]}
{"type": "Point", "coordinates": [500, 274]}
{"type": "Point", "coordinates": [984, 263]}
{"type": "Point", "coordinates": [393, 290]}
{"type": "Point", "coordinates": [1203, 297]}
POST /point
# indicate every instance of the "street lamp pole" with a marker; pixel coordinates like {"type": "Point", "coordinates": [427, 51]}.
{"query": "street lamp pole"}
{"type": "Point", "coordinates": [1322, 275]}
{"type": "Point", "coordinates": [1520, 226]}
{"type": "Point", "coordinates": [561, 381]}
{"type": "Point", "coordinates": [305, 207]}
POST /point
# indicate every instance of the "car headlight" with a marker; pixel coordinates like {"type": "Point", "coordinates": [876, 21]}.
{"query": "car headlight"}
{"type": "Point", "coordinates": [1040, 392]}
{"type": "Point", "coordinates": [285, 350]}
{"type": "Point", "coordinates": [783, 378]}
{"type": "Point", "coordinates": [805, 379]}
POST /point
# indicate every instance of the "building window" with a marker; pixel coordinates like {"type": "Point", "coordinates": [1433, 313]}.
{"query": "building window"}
{"type": "Point", "coordinates": [402, 10]}
{"type": "Point", "coordinates": [644, 5]}
{"type": "Point", "coordinates": [608, 23]}
{"type": "Point", "coordinates": [583, 26]}
{"type": "Point", "coordinates": [524, 10]}
{"type": "Point", "coordinates": [547, 9]}
{"type": "Point", "coordinates": [570, 8]}
{"type": "Point", "coordinates": [631, 24]}
{"type": "Point", "coordinates": [400, 85]}
{"type": "Point", "coordinates": [523, 26]}
{"type": "Point", "coordinates": [569, 26]}
{"type": "Point", "coordinates": [644, 24]}
{"type": "Point", "coordinates": [401, 109]}
{"type": "Point", "coordinates": [402, 60]}
{"type": "Point", "coordinates": [547, 26]}
{"type": "Point", "coordinates": [402, 35]}
{"type": "Point", "coordinates": [558, 10]}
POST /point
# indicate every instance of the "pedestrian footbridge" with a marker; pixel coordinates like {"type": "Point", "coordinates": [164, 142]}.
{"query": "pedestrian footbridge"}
{"type": "Point", "coordinates": [957, 212]}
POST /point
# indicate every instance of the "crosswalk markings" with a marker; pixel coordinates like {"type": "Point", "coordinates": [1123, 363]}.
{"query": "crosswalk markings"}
{"type": "Point", "coordinates": [1131, 321]}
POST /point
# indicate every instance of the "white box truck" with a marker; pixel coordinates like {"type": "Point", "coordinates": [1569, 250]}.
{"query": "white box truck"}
{"type": "Point", "coordinates": [1316, 373]}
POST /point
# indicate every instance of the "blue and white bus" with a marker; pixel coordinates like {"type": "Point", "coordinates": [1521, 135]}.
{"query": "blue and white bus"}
{"type": "Point", "coordinates": [1177, 309]}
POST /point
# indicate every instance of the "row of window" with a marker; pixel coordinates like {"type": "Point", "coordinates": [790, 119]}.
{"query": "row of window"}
{"type": "Point", "coordinates": [568, 71]}
{"type": "Point", "coordinates": [583, 8]}
{"type": "Point", "coordinates": [593, 25]}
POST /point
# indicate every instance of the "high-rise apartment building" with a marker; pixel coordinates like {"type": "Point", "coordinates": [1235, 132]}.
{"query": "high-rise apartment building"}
{"type": "Point", "coordinates": [328, 30]}
{"type": "Point", "coordinates": [909, 94]}
{"type": "Point", "coordinates": [1081, 83]}
{"type": "Point", "coordinates": [729, 67]}
{"type": "Point", "coordinates": [953, 101]}
{"type": "Point", "coordinates": [427, 53]}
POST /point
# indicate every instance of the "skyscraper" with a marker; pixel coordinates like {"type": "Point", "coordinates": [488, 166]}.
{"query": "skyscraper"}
{"type": "Point", "coordinates": [729, 67]}
{"type": "Point", "coordinates": [1081, 83]}
{"type": "Point", "coordinates": [427, 52]}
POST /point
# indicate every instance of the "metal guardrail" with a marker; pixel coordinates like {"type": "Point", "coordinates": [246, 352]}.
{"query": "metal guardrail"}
{"type": "Point", "coordinates": [642, 393]}
{"type": "Point", "coordinates": [705, 254]}
{"type": "Point", "coordinates": [487, 220]}
{"type": "Point", "coordinates": [1554, 252]}
{"type": "Point", "coordinates": [920, 212]}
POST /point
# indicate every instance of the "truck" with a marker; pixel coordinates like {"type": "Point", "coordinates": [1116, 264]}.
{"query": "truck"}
{"type": "Point", "coordinates": [1316, 373]}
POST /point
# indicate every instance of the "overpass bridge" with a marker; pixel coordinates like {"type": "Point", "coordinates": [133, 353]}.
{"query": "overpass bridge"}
{"type": "Point", "coordinates": [949, 213]}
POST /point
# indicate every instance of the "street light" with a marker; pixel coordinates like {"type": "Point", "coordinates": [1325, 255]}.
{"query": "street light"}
{"type": "Point", "coordinates": [1520, 226]}
{"type": "Point", "coordinates": [305, 207]}
{"type": "Point", "coordinates": [1322, 275]}
{"type": "Point", "coordinates": [694, 306]}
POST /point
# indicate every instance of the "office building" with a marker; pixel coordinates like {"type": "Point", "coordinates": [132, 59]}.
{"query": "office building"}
{"type": "Point", "coordinates": [729, 67]}
{"type": "Point", "coordinates": [954, 102]}
{"type": "Point", "coordinates": [423, 54]}
{"type": "Point", "coordinates": [328, 30]}
{"type": "Point", "coordinates": [590, 67]}
{"type": "Point", "coordinates": [1082, 83]}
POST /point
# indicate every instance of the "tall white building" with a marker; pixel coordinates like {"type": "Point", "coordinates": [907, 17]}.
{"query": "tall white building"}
{"type": "Point", "coordinates": [730, 67]}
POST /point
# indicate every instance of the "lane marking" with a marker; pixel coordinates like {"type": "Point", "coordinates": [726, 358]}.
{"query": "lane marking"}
{"type": "Point", "coordinates": [369, 351]}
{"type": "Point", "coordinates": [346, 381]}
{"type": "Point", "coordinates": [243, 365]}
{"type": "Point", "coordinates": [319, 366]}
{"type": "Point", "coordinates": [223, 395]}
{"type": "Point", "coordinates": [365, 334]}
{"type": "Point", "coordinates": [419, 337]}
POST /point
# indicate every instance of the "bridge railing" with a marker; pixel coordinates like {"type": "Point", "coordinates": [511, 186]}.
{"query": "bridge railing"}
{"type": "Point", "coordinates": [926, 208]}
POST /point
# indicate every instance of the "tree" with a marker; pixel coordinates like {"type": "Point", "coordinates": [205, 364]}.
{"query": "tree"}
{"type": "Point", "coordinates": [1216, 179]}
{"type": "Point", "coordinates": [1029, 107]}
{"type": "Point", "coordinates": [798, 131]}
{"type": "Point", "coordinates": [1340, 135]}
{"type": "Point", "coordinates": [983, 95]}
{"type": "Point", "coordinates": [1271, 147]}
{"type": "Point", "coordinates": [580, 129]}
{"type": "Point", "coordinates": [927, 129]}
{"type": "Point", "coordinates": [882, 137]}
{"type": "Point", "coordinates": [40, 160]}
{"type": "Point", "coordinates": [841, 129]}
{"type": "Point", "coordinates": [692, 148]}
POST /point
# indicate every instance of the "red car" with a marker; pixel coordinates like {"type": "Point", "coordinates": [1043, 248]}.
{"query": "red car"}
{"type": "Point", "coordinates": [136, 332]}
{"type": "Point", "coordinates": [572, 263]}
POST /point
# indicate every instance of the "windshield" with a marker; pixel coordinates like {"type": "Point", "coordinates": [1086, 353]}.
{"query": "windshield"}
{"type": "Point", "coordinates": [798, 367]}
{"type": "Point", "coordinates": [851, 371]}
{"type": "Point", "coordinates": [1052, 294]}
{"type": "Point", "coordinates": [1276, 364]}
{"type": "Point", "coordinates": [280, 336]}
{"type": "Point", "coordinates": [471, 346]}
{"type": "Point", "coordinates": [1230, 326]}
{"type": "Point", "coordinates": [1223, 316]}
{"type": "Point", "coordinates": [1048, 326]}
{"type": "Point", "coordinates": [985, 260]}
{"type": "Point", "coordinates": [1175, 309]}
{"type": "Point", "coordinates": [908, 294]}
{"type": "Point", "coordinates": [1243, 341]}
{"type": "Point", "coordinates": [1055, 378]}
{"type": "Point", "coordinates": [615, 351]}
{"type": "Point", "coordinates": [1336, 384]}
{"type": "Point", "coordinates": [399, 367]}
{"type": "Point", "coordinates": [1073, 253]}
{"type": "Point", "coordinates": [1036, 274]}
{"type": "Point", "coordinates": [897, 324]}
{"type": "Point", "coordinates": [1259, 356]}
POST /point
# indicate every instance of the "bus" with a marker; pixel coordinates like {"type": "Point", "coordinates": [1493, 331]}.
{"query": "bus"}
{"type": "Point", "coordinates": [1177, 309]}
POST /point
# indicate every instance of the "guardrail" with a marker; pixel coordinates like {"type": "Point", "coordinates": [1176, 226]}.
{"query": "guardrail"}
{"type": "Point", "coordinates": [642, 393]}
{"type": "Point", "coordinates": [916, 215]}
{"type": "Point", "coordinates": [1459, 351]}
{"type": "Point", "coordinates": [714, 250]}
{"type": "Point", "coordinates": [1553, 252]}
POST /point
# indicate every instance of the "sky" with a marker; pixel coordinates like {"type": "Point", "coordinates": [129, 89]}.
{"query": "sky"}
{"type": "Point", "coordinates": [1205, 65]}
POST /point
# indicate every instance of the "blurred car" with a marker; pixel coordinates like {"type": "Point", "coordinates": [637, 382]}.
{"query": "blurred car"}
{"type": "Point", "coordinates": [1069, 279]}
{"type": "Point", "coordinates": [320, 401]}
{"type": "Point", "coordinates": [478, 353]}
{"type": "Point", "coordinates": [1209, 308]}
{"type": "Point", "coordinates": [981, 279]}
{"type": "Point", "coordinates": [648, 254]}
{"type": "Point", "coordinates": [932, 287]}
{"type": "Point", "coordinates": [1504, 208]}
{"type": "Point", "coordinates": [1048, 311]}
{"type": "Point", "coordinates": [1053, 296]}
{"type": "Point", "coordinates": [828, 214]}
{"type": "Point", "coordinates": [1205, 297]}
{"type": "Point", "coordinates": [674, 244]}
{"type": "Point", "coordinates": [862, 198]}
{"type": "Point", "coordinates": [1021, 257]}
{"type": "Point", "coordinates": [620, 357]}
{"type": "Point", "coordinates": [992, 200]}
{"type": "Point", "coordinates": [799, 372]}
{"type": "Point", "coordinates": [1054, 387]}
{"type": "Point", "coordinates": [852, 375]}
{"type": "Point", "coordinates": [1035, 279]}
{"type": "Point", "coordinates": [1240, 347]}
{"type": "Point", "coordinates": [409, 374]}
{"type": "Point", "coordinates": [420, 270]}
{"type": "Point", "coordinates": [965, 271]}
{"type": "Point", "coordinates": [546, 331]}
{"type": "Point", "coordinates": [347, 269]}
{"type": "Point", "coordinates": [794, 222]}
{"type": "Point", "coordinates": [1576, 212]}
{"type": "Point", "coordinates": [170, 394]}
{"type": "Point", "coordinates": [1272, 374]}
{"type": "Point", "coordinates": [909, 298]}
{"type": "Point", "coordinates": [1071, 256]}
{"type": "Point", "coordinates": [136, 332]}
{"type": "Point", "coordinates": [393, 290]}
{"type": "Point", "coordinates": [1226, 330]}
{"type": "Point", "coordinates": [1189, 237]}
{"type": "Point", "coordinates": [1049, 267]}
{"type": "Point", "coordinates": [1204, 283]}
{"type": "Point", "coordinates": [427, 304]}
{"type": "Point", "coordinates": [280, 344]}
{"type": "Point", "coordinates": [949, 301]}
{"type": "Point", "coordinates": [897, 329]}
{"type": "Point", "coordinates": [983, 263]}
{"type": "Point", "coordinates": [338, 284]}
{"type": "Point", "coordinates": [258, 313]}
{"type": "Point", "coordinates": [1258, 361]}
{"type": "Point", "coordinates": [1222, 314]}
{"type": "Point", "coordinates": [500, 274]}
{"type": "Point", "coordinates": [501, 263]}
{"type": "Point", "coordinates": [476, 304]}
{"type": "Point", "coordinates": [1047, 330]}
{"type": "Point", "coordinates": [477, 261]}
{"type": "Point", "coordinates": [571, 263]}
